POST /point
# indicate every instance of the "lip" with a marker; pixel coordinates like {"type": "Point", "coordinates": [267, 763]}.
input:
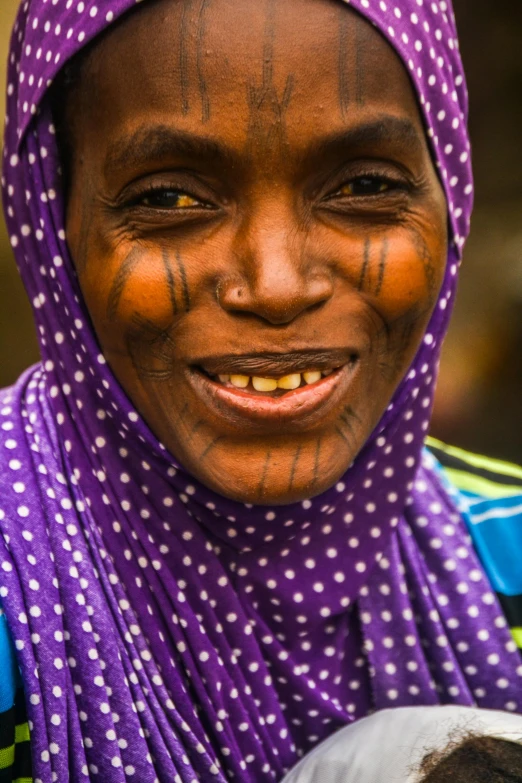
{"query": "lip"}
{"type": "Point", "coordinates": [272, 364]}
{"type": "Point", "coordinates": [305, 405]}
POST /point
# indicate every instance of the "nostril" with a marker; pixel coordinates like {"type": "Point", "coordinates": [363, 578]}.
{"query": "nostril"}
{"type": "Point", "coordinates": [278, 299]}
{"type": "Point", "coordinates": [317, 306]}
{"type": "Point", "coordinates": [229, 294]}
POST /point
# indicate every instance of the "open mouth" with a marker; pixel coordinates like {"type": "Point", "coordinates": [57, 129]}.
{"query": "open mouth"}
{"type": "Point", "coordinates": [273, 390]}
{"type": "Point", "coordinates": [272, 386]}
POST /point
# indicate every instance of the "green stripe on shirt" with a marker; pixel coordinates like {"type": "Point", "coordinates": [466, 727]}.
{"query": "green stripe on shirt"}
{"type": "Point", "coordinates": [495, 466]}
{"type": "Point", "coordinates": [7, 757]}
{"type": "Point", "coordinates": [478, 485]}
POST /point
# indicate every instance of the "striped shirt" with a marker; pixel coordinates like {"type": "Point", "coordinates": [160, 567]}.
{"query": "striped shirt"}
{"type": "Point", "coordinates": [15, 753]}
{"type": "Point", "coordinates": [487, 493]}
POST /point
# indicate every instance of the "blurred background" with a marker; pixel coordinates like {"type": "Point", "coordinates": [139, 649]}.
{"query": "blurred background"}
{"type": "Point", "coordinates": [479, 397]}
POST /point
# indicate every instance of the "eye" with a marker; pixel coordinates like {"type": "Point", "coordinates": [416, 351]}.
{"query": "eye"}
{"type": "Point", "coordinates": [365, 186]}
{"type": "Point", "coordinates": [165, 198]}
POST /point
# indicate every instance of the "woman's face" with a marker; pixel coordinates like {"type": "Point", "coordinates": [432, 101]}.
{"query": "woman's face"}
{"type": "Point", "coordinates": [259, 232]}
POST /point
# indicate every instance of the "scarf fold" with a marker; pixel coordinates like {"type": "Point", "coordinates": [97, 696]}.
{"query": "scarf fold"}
{"type": "Point", "coordinates": [166, 633]}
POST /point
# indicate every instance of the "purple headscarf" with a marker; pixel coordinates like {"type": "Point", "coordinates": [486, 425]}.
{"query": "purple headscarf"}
{"type": "Point", "coordinates": [166, 633]}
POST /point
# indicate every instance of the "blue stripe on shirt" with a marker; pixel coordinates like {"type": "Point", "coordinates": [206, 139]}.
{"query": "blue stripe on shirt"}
{"type": "Point", "coordinates": [8, 667]}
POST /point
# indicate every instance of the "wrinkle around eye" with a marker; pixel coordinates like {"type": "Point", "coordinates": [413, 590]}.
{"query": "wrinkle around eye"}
{"type": "Point", "coordinates": [134, 213]}
{"type": "Point", "coordinates": [393, 203]}
{"type": "Point", "coordinates": [140, 222]}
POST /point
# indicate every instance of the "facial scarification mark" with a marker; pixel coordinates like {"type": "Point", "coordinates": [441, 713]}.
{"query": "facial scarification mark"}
{"type": "Point", "coordinates": [349, 419]}
{"type": "Point", "coordinates": [395, 340]}
{"type": "Point", "coordinates": [151, 349]}
{"type": "Point", "coordinates": [344, 437]}
{"type": "Point", "coordinates": [316, 461]}
{"type": "Point", "coordinates": [263, 99]}
{"type": "Point", "coordinates": [344, 90]}
{"type": "Point", "coordinates": [294, 467]}
{"type": "Point", "coordinates": [261, 489]}
{"type": "Point", "coordinates": [171, 285]}
{"type": "Point", "coordinates": [120, 280]}
{"type": "Point", "coordinates": [183, 56]}
{"type": "Point", "coordinates": [205, 102]}
{"type": "Point", "coordinates": [184, 282]}
{"type": "Point", "coordinates": [198, 429]}
{"type": "Point", "coordinates": [382, 266]}
{"type": "Point", "coordinates": [359, 66]}
{"type": "Point", "coordinates": [349, 414]}
{"type": "Point", "coordinates": [168, 398]}
{"type": "Point", "coordinates": [426, 259]}
{"type": "Point", "coordinates": [197, 426]}
{"type": "Point", "coordinates": [366, 262]}
{"type": "Point", "coordinates": [208, 448]}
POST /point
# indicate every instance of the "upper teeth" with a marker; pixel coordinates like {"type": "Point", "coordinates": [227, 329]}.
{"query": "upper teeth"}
{"type": "Point", "coordinates": [292, 381]}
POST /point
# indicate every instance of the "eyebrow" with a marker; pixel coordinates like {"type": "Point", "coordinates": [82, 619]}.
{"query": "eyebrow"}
{"type": "Point", "coordinates": [386, 129]}
{"type": "Point", "coordinates": [159, 143]}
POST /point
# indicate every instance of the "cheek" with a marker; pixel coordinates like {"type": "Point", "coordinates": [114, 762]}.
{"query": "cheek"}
{"type": "Point", "coordinates": [131, 286]}
{"type": "Point", "coordinates": [396, 272]}
{"type": "Point", "coordinates": [146, 293]}
{"type": "Point", "coordinates": [413, 274]}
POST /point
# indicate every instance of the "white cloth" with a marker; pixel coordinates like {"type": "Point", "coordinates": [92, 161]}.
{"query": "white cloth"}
{"type": "Point", "coordinates": [389, 746]}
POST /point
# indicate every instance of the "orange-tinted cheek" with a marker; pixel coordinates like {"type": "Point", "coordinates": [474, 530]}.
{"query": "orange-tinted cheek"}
{"type": "Point", "coordinates": [145, 296]}
{"type": "Point", "coordinates": [138, 283]}
{"type": "Point", "coordinates": [402, 273]}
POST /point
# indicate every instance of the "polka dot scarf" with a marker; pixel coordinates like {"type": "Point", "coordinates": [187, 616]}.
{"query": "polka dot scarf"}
{"type": "Point", "coordinates": [165, 633]}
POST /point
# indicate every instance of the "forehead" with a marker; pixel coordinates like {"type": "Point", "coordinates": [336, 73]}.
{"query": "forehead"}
{"type": "Point", "coordinates": [214, 62]}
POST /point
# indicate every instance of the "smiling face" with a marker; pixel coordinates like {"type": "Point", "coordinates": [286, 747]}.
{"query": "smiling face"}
{"type": "Point", "coordinates": [258, 230]}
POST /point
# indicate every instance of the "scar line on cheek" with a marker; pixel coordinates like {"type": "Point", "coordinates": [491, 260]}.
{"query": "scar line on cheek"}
{"type": "Point", "coordinates": [120, 280]}
{"type": "Point", "coordinates": [382, 265]}
{"type": "Point", "coordinates": [171, 284]}
{"type": "Point", "coordinates": [366, 261]}
{"type": "Point", "coordinates": [184, 282]}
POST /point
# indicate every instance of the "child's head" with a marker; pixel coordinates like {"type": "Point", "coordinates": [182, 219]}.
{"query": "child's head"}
{"type": "Point", "coordinates": [476, 759]}
{"type": "Point", "coordinates": [420, 745]}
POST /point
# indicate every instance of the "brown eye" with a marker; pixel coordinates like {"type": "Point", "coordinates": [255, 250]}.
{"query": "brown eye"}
{"type": "Point", "coordinates": [169, 199]}
{"type": "Point", "coordinates": [365, 186]}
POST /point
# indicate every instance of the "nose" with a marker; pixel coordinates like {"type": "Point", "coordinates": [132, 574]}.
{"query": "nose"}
{"type": "Point", "coordinates": [274, 279]}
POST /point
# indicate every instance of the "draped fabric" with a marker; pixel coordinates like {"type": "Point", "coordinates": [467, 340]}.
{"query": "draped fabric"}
{"type": "Point", "coordinates": [165, 633]}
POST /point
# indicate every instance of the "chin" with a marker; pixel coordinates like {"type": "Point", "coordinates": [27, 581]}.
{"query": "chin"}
{"type": "Point", "coordinates": [268, 476]}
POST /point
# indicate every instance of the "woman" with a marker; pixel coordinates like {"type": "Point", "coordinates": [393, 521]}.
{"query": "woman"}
{"type": "Point", "coordinates": [221, 541]}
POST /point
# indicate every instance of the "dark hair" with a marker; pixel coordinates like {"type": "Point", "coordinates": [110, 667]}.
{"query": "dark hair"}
{"type": "Point", "coordinates": [475, 760]}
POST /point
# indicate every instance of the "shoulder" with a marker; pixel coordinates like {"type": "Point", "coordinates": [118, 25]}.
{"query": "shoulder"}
{"type": "Point", "coordinates": [488, 494]}
{"type": "Point", "coordinates": [477, 477]}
